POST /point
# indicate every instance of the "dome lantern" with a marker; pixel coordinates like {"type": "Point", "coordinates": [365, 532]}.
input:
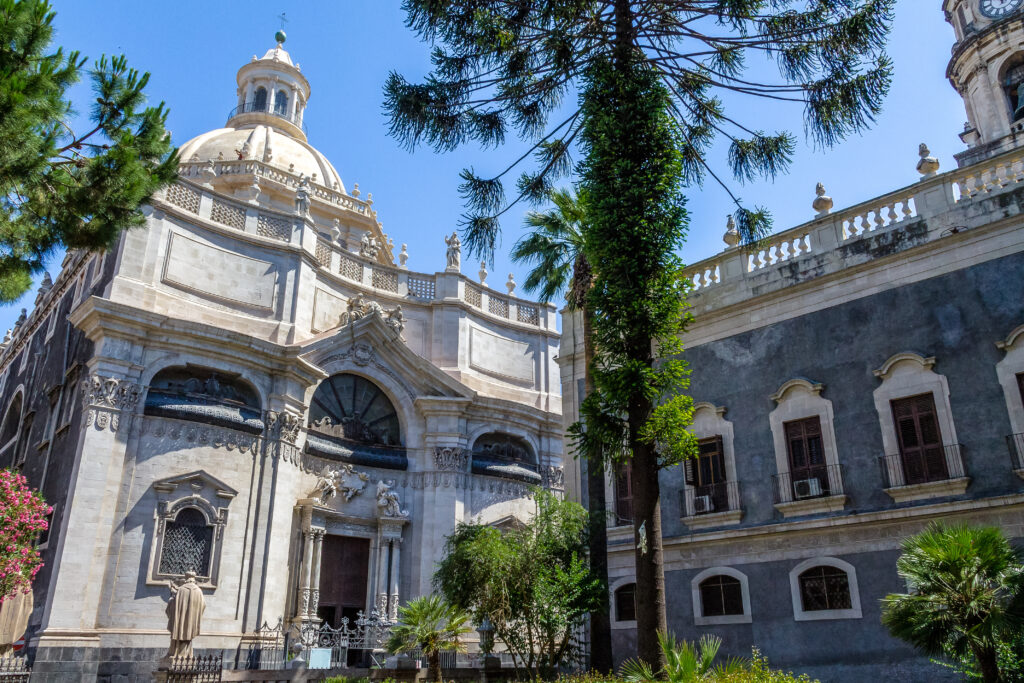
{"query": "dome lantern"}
{"type": "Point", "coordinates": [272, 91]}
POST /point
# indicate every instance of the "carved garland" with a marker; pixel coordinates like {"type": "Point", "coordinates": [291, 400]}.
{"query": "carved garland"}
{"type": "Point", "coordinates": [215, 437]}
{"type": "Point", "coordinates": [451, 459]}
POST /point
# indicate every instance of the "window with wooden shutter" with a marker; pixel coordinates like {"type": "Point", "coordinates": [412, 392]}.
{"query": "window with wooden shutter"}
{"type": "Point", "coordinates": [806, 457]}
{"type": "Point", "coordinates": [920, 440]}
{"type": "Point", "coordinates": [706, 472]}
{"type": "Point", "coordinates": [623, 493]}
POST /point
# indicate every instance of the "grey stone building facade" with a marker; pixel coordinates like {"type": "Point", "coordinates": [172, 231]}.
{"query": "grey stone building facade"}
{"type": "Point", "coordinates": [859, 376]}
{"type": "Point", "coordinates": [250, 387]}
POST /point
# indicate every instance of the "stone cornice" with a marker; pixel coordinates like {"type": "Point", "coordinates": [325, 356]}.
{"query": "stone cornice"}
{"type": "Point", "coordinates": [102, 319]}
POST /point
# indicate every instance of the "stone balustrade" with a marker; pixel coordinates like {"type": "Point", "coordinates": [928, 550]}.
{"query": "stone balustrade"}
{"type": "Point", "coordinates": [333, 257]}
{"type": "Point", "coordinates": [831, 231]}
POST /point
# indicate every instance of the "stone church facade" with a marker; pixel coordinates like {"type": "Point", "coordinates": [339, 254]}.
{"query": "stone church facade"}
{"type": "Point", "coordinates": [859, 376]}
{"type": "Point", "coordinates": [250, 388]}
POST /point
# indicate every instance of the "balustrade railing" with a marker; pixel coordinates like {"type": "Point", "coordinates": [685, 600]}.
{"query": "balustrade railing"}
{"type": "Point", "coordinates": [923, 466]}
{"type": "Point", "coordinates": [805, 483]}
{"type": "Point", "coordinates": [1015, 442]}
{"type": "Point", "coordinates": [264, 108]}
{"type": "Point", "coordinates": [704, 500]}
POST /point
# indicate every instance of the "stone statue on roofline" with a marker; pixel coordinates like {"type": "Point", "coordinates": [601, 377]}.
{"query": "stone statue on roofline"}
{"type": "Point", "coordinates": [184, 615]}
{"type": "Point", "coordinates": [454, 253]}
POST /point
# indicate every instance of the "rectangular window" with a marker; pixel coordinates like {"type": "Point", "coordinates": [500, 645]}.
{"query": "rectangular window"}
{"type": "Point", "coordinates": [706, 473]}
{"type": "Point", "coordinates": [807, 470]}
{"type": "Point", "coordinates": [623, 493]}
{"type": "Point", "coordinates": [1020, 385]}
{"type": "Point", "coordinates": [920, 441]}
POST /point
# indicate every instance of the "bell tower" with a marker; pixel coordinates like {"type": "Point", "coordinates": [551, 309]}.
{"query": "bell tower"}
{"type": "Point", "coordinates": [987, 69]}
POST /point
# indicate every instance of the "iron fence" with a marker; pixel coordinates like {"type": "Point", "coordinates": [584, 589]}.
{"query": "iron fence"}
{"type": "Point", "coordinates": [14, 669]}
{"type": "Point", "coordinates": [195, 669]}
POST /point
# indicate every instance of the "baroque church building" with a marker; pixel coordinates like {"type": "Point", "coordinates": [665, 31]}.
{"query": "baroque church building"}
{"type": "Point", "coordinates": [855, 378]}
{"type": "Point", "coordinates": [250, 388]}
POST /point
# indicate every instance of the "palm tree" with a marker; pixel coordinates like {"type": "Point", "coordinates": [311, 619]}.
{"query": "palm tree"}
{"type": "Point", "coordinates": [431, 625]}
{"type": "Point", "coordinates": [684, 662]}
{"type": "Point", "coordinates": [555, 250]}
{"type": "Point", "coordinates": [965, 593]}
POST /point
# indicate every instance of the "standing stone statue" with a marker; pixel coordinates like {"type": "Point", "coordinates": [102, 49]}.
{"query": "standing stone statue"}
{"type": "Point", "coordinates": [454, 253]}
{"type": "Point", "coordinates": [302, 198]}
{"type": "Point", "coordinates": [184, 615]}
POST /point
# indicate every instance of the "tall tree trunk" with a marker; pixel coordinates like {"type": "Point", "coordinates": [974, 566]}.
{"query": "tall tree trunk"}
{"type": "Point", "coordinates": [651, 615]}
{"type": "Point", "coordinates": [600, 618]}
{"type": "Point", "coordinates": [434, 667]}
{"type": "Point", "coordinates": [988, 663]}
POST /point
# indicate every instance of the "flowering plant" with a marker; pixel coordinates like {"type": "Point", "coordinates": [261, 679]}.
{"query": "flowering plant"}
{"type": "Point", "coordinates": [22, 517]}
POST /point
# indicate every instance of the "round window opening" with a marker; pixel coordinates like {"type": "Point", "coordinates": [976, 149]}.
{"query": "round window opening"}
{"type": "Point", "coordinates": [354, 408]}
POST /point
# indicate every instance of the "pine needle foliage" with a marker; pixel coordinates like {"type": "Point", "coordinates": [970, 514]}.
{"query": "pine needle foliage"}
{"type": "Point", "coordinates": [504, 68]}
{"type": "Point", "coordinates": [59, 187]}
{"type": "Point", "coordinates": [966, 594]}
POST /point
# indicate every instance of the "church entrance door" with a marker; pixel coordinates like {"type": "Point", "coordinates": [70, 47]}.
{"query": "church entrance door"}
{"type": "Point", "coordinates": [344, 565]}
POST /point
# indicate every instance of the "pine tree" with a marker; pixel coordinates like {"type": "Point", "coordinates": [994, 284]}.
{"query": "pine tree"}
{"type": "Point", "coordinates": [505, 66]}
{"type": "Point", "coordinates": [59, 188]}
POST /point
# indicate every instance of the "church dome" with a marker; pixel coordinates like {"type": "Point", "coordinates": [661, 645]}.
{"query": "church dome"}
{"type": "Point", "coordinates": [266, 125]}
{"type": "Point", "coordinates": [267, 144]}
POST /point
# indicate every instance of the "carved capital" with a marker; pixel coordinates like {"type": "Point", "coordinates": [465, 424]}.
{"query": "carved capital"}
{"type": "Point", "coordinates": [110, 393]}
{"type": "Point", "coordinates": [451, 459]}
{"type": "Point", "coordinates": [283, 425]}
{"type": "Point", "coordinates": [554, 477]}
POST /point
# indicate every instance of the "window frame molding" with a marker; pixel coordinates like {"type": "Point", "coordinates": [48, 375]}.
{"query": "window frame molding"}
{"type": "Point", "coordinates": [799, 399]}
{"type": "Point", "coordinates": [1007, 369]}
{"type": "Point", "coordinates": [698, 607]}
{"type": "Point", "coordinates": [613, 588]}
{"type": "Point", "coordinates": [903, 375]}
{"type": "Point", "coordinates": [800, 614]}
{"type": "Point", "coordinates": [708, 422]}
{"type": "Point", "coordinates": [203, 492]}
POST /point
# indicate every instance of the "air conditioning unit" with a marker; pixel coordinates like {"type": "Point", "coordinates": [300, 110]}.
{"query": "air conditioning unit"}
{"type": "Point", "coordinates": [702, 504]}
{"type": "Point", "coordinates": [807, 488]}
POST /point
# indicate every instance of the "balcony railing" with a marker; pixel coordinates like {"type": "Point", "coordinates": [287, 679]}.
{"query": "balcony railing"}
{"type": "Point", "coordinates": [923, 466]}
{"type": "Point", "coordinates": [1015, 442]}
{"type": "Point", "coordinates": [817, 481]}
{"type": "Point", "coordinates": [705, 500]}
{"type": "Point", "coordinates": [256, 108]}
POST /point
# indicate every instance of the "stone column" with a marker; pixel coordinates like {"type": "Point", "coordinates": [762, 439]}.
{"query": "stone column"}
{"type": "Point", "coordinates": [307, 567]}
{"type": "Point", "coordinates": [396, 546]}
{"type": "Point", "coordinates": [381, 605]}
{"type": "Point", "coordinates": [314, 588]}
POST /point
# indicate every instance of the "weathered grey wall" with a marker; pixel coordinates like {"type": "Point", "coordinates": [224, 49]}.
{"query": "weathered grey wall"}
{"type": "Point", "coordinates": [957, 318]}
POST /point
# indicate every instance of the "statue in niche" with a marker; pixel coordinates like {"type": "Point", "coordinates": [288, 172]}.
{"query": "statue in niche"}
{"type": "Point", "coordinates": [454, 253]}
{"type": "Point", "coordinates": [387, 500]}
{"type": "Point", "coordinates": [184, 615]}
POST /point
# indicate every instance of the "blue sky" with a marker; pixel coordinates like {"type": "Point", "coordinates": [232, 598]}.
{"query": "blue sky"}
{"type": "Point", "coordinates": [347, 47]}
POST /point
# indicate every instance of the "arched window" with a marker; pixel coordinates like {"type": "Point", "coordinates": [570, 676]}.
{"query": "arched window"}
{"type": "Point", "coordinates": [9, 429]}
{"type": "Point", "coordinates": [500, 447]}
{"type": "Point", "coordinates": [354, 408]}
{"type": "Point", "coordinates": [205, 395]}
{"type": "Point", "coordinates": [1012, 83]}
{"type": "Point", "coordinates": [823, 588]}
{"type": "Point", "coordinates": [721, 596]}
{"type": "Point", "coordinates": [625, 603]}
{"type": "Point", "coordinates": [259, 103]}
{"type": "Point", "coordinates": [187, 544]}
{"type": "Point", "coordinates": [281, 103]}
